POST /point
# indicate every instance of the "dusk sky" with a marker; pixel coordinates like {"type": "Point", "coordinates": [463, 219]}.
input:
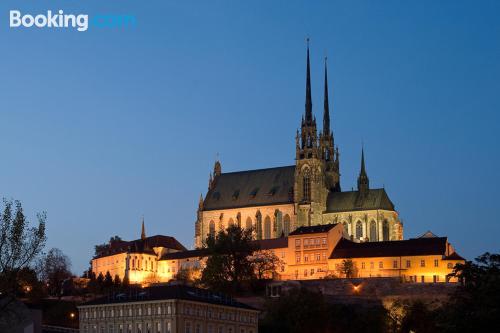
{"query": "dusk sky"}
{"type": "Point", "coordinates": [98, 128]}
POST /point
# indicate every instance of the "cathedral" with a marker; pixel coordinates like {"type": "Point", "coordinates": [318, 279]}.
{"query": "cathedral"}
{"type": "Point", "coordinates": [276, 201]}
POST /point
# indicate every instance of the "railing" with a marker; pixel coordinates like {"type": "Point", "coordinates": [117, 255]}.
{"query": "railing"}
{"type": "Point", "coordinates": [50, 328]}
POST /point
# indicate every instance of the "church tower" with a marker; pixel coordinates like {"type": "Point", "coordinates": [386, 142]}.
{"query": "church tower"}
{"type": "Point", "coordinates": [329, 154]}
{"type": "Point", "coordinates": [310, 188]}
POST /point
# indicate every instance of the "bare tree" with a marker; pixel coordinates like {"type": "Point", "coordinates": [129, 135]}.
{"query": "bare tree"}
{"type": "Point", "coordinates": [55, 267]}
{"type": "Point", "coordinates": [266, 263]}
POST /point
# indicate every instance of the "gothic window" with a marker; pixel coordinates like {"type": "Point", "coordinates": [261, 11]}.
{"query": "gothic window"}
{"type": "Point", "coordinates": [267, 227]}
{"type": "Point", "coordinates": [248, 223]}
{"type": "Point", "coordinates": [278, 223]}
{"type": "Point", "coordinates": [385, 230]}
{"type": "Point", "coordinates": [258, 225]}
{"type": "Point", "coordinates": [231, 222]}
{"type": "Point", "coordinates": [373, 231]}
{"type": "Point", "coordinates": [346, 230]}
{"type": "Point", "coordinates": [286, 224]}
{"type": "Point", "coordinates": [359, 230]}
{"type": "Point", "coordinates": [211, 229]}
{"type": "Point", "coordinates": [238, 219]}
{"type": "Point", "coordinates": [306, 187]}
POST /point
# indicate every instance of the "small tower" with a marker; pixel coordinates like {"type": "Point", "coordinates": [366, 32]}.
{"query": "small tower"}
{"type": "Point", "coordinates": [143, 230]}
{"type": "Point", "coordinates": [363, 181]}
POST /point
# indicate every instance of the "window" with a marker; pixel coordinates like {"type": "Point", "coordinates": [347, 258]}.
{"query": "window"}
{"type": "Point", "coordinates": [158, 327]}
{"type": "Point", "coordinates": [211, 229]}
{"type": "Point", "coordinates": [395, 264]}
{"type": "Point", "coordinates": [318, 256]}
{"type": "Point", "coordinates": [297, 258]}
{"type": "Point", "coordinates": [158, 310]}
{"type": "Point", "coordinates": [187, 327]}
{"type": "Point", "coordinates": [373, 231]}
{"type": "Point", "coordinates": [435, 278]}
{"type": "Point", "coordinates": [169, 309]}
{"type": "Point", "coordinates": [297, 243]}
{"type": "Point", "coordinates": [312, 271]}
{"type": "Point", "coordinates": [323, 241]}
{"type": "Point", "coordinates": [169, 327]}
{"type": "Point", "coordinates": [248, 223]}
{"type": "Point", "coordinates": [436, 263]}
{"type": "Point", "coordinates": [198, 328]}
{"type": "Point", "coordinates": [306, 187]}
{"type": "Point", "coordinates": [286, 225]}
{"type": "Point", "coordinates": [362, 265]}
{"type": "Point", "coordinates": [408, 263]}
{"type": "Point", "coordinates": [306, 258]}
{"type": "Point", "coordinates": [359, 230]}
{"type": "Point", "coordinates": [267, 227]}
{"type": "Point", "coordinates": [372, 265]}
{"type": "Point", "coordinates": [380, 264]}
{"type": "Point", "coordinates": [385, 230]}
{"type": "Point", "coordinates": [139, 328]}
{"type": "Point", "coordinates": [422, 263]}
{"type": "Point", "coordinates": [148, 328]}
{"type": "Point", "coordinates": [422, 279]}
{"type": "Point", "coordinates": [324, 256]}
{"type": "Point", "coordinates": [450, 265]}
{"type": "Point", "coordinates": [305, 272]}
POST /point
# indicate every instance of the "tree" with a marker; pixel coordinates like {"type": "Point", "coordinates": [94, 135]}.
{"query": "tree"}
{"type": "Point", "coordinates": [228, 264]}
{"type": "Point", "coordinates": [348, 268]}
{"type": "Point", "coordinates": [117, 282]}
{"type": "Point", "coordinates": [108, 281]}
{"type": "Point", "coordinates": [266, 263]}
{"type": "Point", "coordinates": [55, 268]}
{"type": "Point", "coordinates": [100, 249]}
{"type": "Point", "coordinates": [20, 245]}
{"type": "Point", "coordinates": [475, 306]}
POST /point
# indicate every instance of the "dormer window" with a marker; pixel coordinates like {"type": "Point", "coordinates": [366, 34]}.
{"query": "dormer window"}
{"type": "Point", "coordinates": [254, 192]}
{"type": "Point", "coordinates": [216, 196]}
{"type": "Point", "coordinates": [236, 194]}
{"type": "Point", "coordinates": [273, 191]}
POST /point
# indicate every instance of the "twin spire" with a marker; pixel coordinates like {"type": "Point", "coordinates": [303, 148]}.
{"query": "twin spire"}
{"type": "Point", "coordinates": [308, 105]}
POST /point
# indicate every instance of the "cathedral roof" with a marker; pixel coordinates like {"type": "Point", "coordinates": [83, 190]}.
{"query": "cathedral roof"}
{"type": "Point", "coordinates": [411, 247]}
{"type": "Point", "coordinates": [261, 187]}
{"type": "Point", "coordinates": [349, 201]}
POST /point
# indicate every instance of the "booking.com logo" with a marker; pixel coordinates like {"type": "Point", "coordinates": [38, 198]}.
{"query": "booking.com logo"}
{"type": "Point", "coordinates": [80, 22]}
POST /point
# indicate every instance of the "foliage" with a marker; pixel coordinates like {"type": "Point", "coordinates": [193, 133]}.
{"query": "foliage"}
{"type": "Point", "coordinates": [189, 276]}
{"type": "Point", "coordinates": [228, 264]}
{"type": "Point", "coordinates": [54, 270]}
{"type": "Point", "coordinates": [266, 263]}
{"type": "Point", "coordinates": [101, 248]}
{"type": "Point", "coordinates": [347, 268]}
{"type": "Point", "coordinates": [20, 245]}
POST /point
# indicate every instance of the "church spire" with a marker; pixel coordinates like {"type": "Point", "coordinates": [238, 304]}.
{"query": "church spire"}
{"type": "Point", "coordinates": [309, 116]}
{"type": "Point", "coordinates": [143, 230]}
{"type": "Point", "coordinates": [363, 181]}
{"type": "Point", "coordinates": [326, 110]}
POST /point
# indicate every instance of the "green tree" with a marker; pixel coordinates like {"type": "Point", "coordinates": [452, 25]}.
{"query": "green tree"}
{"type": "Point", "coordinates": [266, 264]}
{"type": "Point", "coordinates": [228, 264]}
{"type": "Point", "coordinates": [100, 249]}
{"type": "Point", "coordinates": [348, 268]}
{"type": "Point", "coordinates": [20, 246]}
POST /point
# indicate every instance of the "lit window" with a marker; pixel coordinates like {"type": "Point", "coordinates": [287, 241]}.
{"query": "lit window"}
{"type": "Point", "coordinates": [422, 263]}
{"type": "Point", "coordinates": [380, 264]}
{"type": "Point", "coordinates": [395, 264]}
{"type": "Point", "coordinates": [436, 263]}
{"type": "Point", "coordinates": [297, 258]}
{"type": "Point", "coordinates": [318, 257]}
{"type": "Point", "coordinates": [362, 265]}
{"type": "Point", "coordinates": [297, 243]}
{"type": "Point", "coordinates": [450, 265]}
{"type": "Point", "coordinates": [408, 263]}
{"type": "Point", "coordinates": [324, 255]}
{"type": "Point", "coordinates": [312, 271]}
{"type": "Point", "coordinates": [306, 258]}
{"type": "Point", "coordinates": [372, 265]}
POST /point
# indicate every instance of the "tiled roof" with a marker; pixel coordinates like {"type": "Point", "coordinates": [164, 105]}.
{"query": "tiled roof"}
{"type": "Point", "coordinates": [169, 292]}
{"type": "Point", "coordinates": [350, 201]}
{"type": "Point", "coordinates": [261, 187]}
{"type": "Point", "coordinates": [269, 244]}
{"type": "Point", "coordinates": [142, 246]}
{"type": "Point", "coordinates": [314, 229]}
{"type": "Point", "coordinates": [411, 247]}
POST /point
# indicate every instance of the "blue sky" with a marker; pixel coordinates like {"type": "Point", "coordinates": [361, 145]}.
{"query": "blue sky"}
{"type": "Point", "coordinates": [101, 127]}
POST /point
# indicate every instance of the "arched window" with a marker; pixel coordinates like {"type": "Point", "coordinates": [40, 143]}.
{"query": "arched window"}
{"type": "Point", "coordinates": [286, 224]}
{"type": "Point", "coordinates": [231, 222]}
{"type": "Point", "coordinates": [306, 187]}
{"type": "Point", "coordinates": [248, 223]}
{"type": "Point", "coordinates": [385, 230]}
{"type": "Point", "coordinates": [211, 229]}
{"type": "Point", "coordinates": [373, 231]}
{"type": "Point", "coordinates": [359, 230]}
{"type": "Point", "coordinates": [238, 219]}
{"type": "Point", "coordinates": [267, 227]}
{"type": "Point", "coordinates": [258, 225]}
{"type": "Point", "coordinates": [278, 223]}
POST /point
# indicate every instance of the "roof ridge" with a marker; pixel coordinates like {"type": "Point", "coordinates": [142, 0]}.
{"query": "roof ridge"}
{"type": "Point", "coordinates": [255, 170]}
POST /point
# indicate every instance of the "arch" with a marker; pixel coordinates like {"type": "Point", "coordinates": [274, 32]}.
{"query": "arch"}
{"type": "Point", "coordinates": [248, 223]}
{"type": "Point", "coordinates": [238, 220]}
{"type": "Point", "coordinates": [258, 224]}
{"type": "Point", "coordinates": [267, 227]}
{"type": "Point", "coordinates": [385, 230]}
{"type": "Point", "coordinates": [373, 231]}
{"type": "Point", "coordinates": [359, 230]}
{"type": "Point", "coordinates": [286, 224]}
{"type": "Point", "coordinates": [211, 229]}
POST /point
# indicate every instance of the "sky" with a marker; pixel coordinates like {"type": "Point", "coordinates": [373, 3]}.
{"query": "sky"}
{"type": "Point", "coordinates": [101, 127]}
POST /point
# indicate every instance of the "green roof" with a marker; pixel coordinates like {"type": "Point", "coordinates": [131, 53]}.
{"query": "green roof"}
{"type": "Point", "coordinates": [352, 201]}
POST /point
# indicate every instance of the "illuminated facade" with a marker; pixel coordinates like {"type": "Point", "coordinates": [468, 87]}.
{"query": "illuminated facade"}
{"type": "Point", "coordinates": [276, 201]}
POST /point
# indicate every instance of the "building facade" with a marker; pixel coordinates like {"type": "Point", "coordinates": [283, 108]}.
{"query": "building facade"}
{"type": "Point", "coordinates": [276, 201]}
{"type": "Point", "coordinates": [167, 309]}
